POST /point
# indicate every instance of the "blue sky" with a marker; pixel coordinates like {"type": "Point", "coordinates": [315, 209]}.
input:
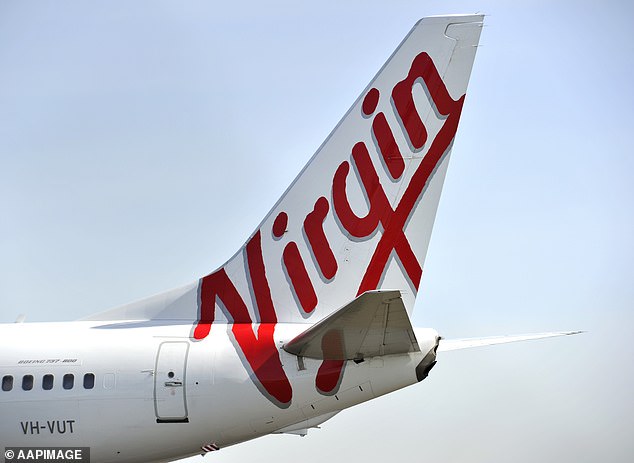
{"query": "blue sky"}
{"type": "Point", "coordinates": [122, 125]}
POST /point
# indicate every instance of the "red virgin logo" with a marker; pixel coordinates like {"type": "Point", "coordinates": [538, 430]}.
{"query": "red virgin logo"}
{"type": "Point", "coordinates": [259, 353]}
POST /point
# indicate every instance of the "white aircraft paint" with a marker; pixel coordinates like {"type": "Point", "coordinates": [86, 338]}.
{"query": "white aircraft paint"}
{"type": "Point", "coordinates": [310, 317]}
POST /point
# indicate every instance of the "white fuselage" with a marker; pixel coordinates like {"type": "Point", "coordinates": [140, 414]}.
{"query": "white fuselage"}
{"type": "Point", "coordinates": [157, 395]}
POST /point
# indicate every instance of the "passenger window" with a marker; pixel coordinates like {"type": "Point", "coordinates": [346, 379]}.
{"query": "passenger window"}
{"type": "Point", "coordinates": [27, 382]}
{"type": "Point", "coordinates": [7, 383]}
{"type": "Point", "coordinates": [68, 381]}
{"type": "Point", "coordinates": [47, 382]}
{"type": "Point", "coordinates": [89, 381]}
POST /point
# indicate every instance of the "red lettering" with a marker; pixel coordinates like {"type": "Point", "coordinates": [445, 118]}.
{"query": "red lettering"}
{"type": "Point", "coordinates": [329, 376]}
{"type": "Point", "coordinates": [300, 281]}
{"type": "Point", "coordinates": [380, 212]}
{"type": "Point", "coordinates": [314, 228]}
{"type": "Point", "coordinates": [422, 67]}
{"type": "Point", "coordinates": [392, 235]}
{"type": "Point", "coordinates": [259, 283]}
{"type": "Point", "coordinates": [330, 371]}
{"type": "Point", "coordinates": [359, 227]}
{"type": "Point", "coordinates": [260, 352]}
{"type": "Point", "coordinates": [383, 135]}
{"type": "Point", "coordinates": [280, 224]}
{"type": "Point", "coordinates": [370, 101]}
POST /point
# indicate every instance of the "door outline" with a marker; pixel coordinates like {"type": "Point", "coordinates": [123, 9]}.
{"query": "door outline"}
{"type": "Point", "coordinates": [162, 381]}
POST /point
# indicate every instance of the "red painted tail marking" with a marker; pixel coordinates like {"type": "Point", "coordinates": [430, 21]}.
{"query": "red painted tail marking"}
{"type": "Point", "coordinates": [300, 281]}
{"type": "Point", "coordinates": [260, 352]}
{"type": "Point", "coordinates": [380, 212]}
{"type": "Point", "coordinates": [314, 228]}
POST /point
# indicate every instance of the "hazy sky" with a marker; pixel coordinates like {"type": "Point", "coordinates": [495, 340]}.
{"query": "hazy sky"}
{"type": "Point", "coordinates": [122, 125]}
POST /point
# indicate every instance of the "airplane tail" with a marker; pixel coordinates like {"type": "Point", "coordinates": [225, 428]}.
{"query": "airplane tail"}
{"type": "Point", "coordinates": [359, 216]}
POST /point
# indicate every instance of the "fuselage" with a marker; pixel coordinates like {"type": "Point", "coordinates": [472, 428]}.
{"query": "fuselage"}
{"type": "Point", "coordinates": [115, 387]}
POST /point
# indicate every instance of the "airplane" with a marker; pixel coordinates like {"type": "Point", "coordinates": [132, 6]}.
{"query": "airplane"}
{"type": "Point", "coordinates": [310, 317]}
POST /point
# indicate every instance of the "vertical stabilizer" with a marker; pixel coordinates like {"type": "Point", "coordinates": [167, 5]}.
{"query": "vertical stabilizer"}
{"type": "Point", "coordinates": [359, 216]}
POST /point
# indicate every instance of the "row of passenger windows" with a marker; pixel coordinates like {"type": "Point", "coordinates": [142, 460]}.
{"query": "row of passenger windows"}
{"type": "Point", "coordinates": [68, 382]}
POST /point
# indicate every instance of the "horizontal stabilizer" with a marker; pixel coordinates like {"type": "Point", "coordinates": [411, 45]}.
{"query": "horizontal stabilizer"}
{"type": "Point", "coordinates": [455, 344]}
{"type": "Point", "coordinates": [375, 323]}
